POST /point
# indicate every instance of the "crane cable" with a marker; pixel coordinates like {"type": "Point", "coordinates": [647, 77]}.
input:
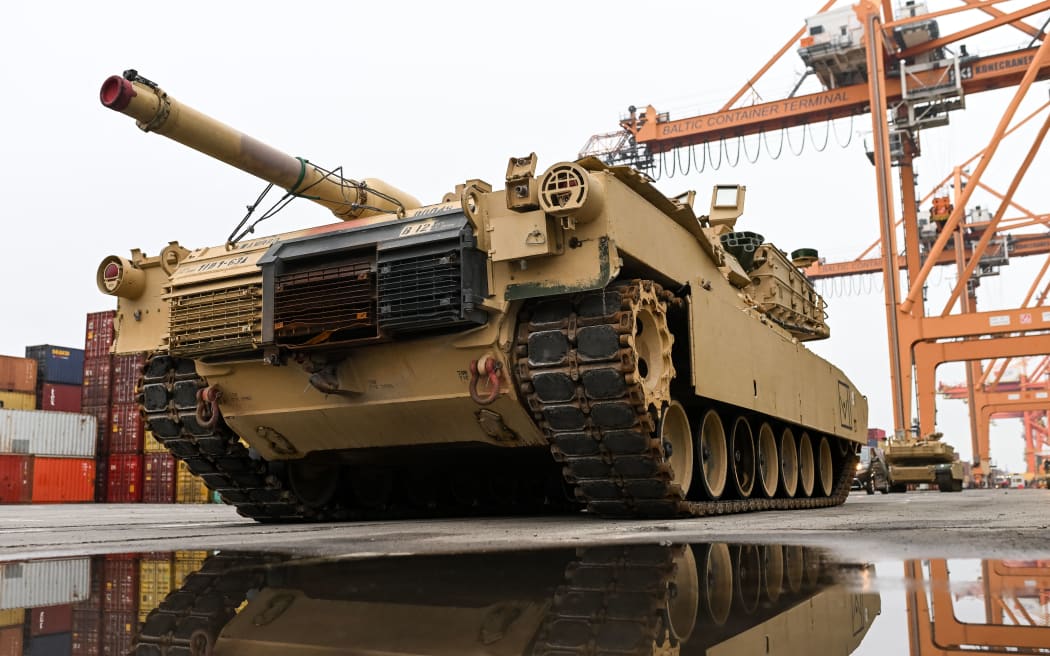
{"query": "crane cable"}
{"type": "Point", "coordinates": [661, 166]}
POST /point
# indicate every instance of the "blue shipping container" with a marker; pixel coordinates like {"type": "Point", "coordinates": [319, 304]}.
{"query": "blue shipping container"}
{"type": "Point", "coordinates": [59, 644]}
{"type": "Point", "coordinates": [57, 364]}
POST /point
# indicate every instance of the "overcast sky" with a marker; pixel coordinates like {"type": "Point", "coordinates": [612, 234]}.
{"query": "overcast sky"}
{"type": "Point", "coordinates": [427, 95]}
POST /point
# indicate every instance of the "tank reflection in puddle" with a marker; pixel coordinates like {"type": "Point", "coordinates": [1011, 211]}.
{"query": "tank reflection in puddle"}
{"type": "Point", "coordinates": [699, 599]}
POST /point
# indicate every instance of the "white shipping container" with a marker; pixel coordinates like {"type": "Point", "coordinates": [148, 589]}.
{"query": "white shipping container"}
{"type": "Point", "coordinates": [44, 582]}
{"type": "Point", "coordinates": [42, 433]}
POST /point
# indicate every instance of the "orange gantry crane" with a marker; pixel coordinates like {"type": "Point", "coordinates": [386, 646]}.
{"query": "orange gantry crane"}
{"type": "Point", "coordinates": [1007, 243]}
{"type": "Point", "coordinates": [1027, 399]}
{"type": "Point", "coordinates": [1015, 595]}
{"type": "Point", "coordinates": [907, 76]}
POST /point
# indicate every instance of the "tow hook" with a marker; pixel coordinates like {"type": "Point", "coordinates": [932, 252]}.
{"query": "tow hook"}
{"type": "Point", "coordinates": [208, 406]}
{"type": "Point", "coordinates": [489, 368]}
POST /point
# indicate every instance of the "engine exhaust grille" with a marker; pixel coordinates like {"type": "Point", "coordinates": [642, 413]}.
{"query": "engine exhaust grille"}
{"type": "Point", "coordinates": [323, 303]}
{"type": "Point", "coordinates": [424, 291]}
{"type": "Point", "coordinates": [222, 320]}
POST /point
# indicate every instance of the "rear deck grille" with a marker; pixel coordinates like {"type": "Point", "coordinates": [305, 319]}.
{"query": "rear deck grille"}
{"type": "Point", "coordinates": [420, 292]}
{"type": "Point", "coordinates": [222, 320]}
{"type": "Point", "coordinates": [325, 301]}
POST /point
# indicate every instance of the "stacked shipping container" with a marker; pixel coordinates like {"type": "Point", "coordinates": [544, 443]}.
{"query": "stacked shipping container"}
{"type": "Point", "coordinates": [59, 375]}
{"type": "Point", "coordinates": [53, 455]}
{"type": "Point", "coordinates": [97, 389]}
{"type": "Point", "coordinates": [85, 606]}
{"type": "Point", "coordinates": [46, 456]}
{"type": "Point", "coordinates": [17, 383]}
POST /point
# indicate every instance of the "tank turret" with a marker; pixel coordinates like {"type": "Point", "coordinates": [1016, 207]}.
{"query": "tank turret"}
{"type": "Point", "coordinates": [156, 111]}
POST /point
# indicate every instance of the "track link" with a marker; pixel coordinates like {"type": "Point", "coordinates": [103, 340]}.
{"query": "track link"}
{"type": "Point", "coordinates": [169, 400]}
{"type": "Point", "coordinates": [584, 382]}
{"type": "Point", "coordinates": [190, 619]}
{"type": "Point", "coordinates": [614, 601]}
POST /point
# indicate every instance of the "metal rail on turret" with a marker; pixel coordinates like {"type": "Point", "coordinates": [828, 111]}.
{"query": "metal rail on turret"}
{"type": "Point", "coordinates": [156, 111]}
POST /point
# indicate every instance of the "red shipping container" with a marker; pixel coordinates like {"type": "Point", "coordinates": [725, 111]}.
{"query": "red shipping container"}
{"type": "Point", "coordinates": [102, 479]}
{"type": "Point", "coordinates": [124, 484]}
{"type": "Point", "coordinates": [126, 432]}
{"type": "Point", "coordinates": [158, 478]}
{"type": "Point", "coordinates": [98, 338]}
{"type": "Point", "coordinates": [16, 479]}
{"type": "Point", "coordinates": [50, 620]}
{"type": "Point", "coordinates": [101, 415]}
{"type": "Point", "coordinates": [17, 374]}
{"type": "Point", "coordinates": [118, 633]}
{"type": "Point", "coordinates": [63, 480]}
{"type": "Point", "coordinates": [98, 381]}
{"type": "Point", "coordinates": [127, 370]}
{"type": "Point", "coordinates": [87, 632]}
{"type": "Point", "coordinates": [93, 601]}
{"type": "Point", "coordinates": [60, 398]}
{"type": "Point", "coordinates": [11, 641]}
{"type": "Point", "coordinates": [120, 584]}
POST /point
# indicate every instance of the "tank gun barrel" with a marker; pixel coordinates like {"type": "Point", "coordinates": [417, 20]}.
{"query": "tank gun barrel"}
{"type": "Point", "coordinates": [156, 111]}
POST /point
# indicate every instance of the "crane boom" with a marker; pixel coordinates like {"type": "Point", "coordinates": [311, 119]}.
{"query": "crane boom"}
{"type": "Point", "coordinates": [660, 134]}
{"type": "Point", "coordinates": [1021, 245]}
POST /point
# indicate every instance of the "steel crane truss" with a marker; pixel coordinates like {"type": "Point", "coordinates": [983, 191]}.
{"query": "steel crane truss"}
{"type": "Point", "coordinates": [1027, 402]}
{"type": "Point", "coordinates": [935, 629]}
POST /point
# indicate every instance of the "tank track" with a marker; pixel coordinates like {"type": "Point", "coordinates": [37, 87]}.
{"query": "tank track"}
{"type": "Point", "coordinates": [169, 400]}
{"type": "Point", "coordinates": [258, 489]}
{"type": "Point", "coordinates": [614, 601]}
{"type": "Point", "coordinates": [190, 619]}
{"type": "Point", "coordinates": [578, 373]}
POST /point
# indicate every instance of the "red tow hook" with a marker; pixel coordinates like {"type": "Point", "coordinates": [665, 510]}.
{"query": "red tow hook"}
{"type": "Point", "coordinates": [208, 406]}
{"type": "Point", "coordinates": [489, 367]}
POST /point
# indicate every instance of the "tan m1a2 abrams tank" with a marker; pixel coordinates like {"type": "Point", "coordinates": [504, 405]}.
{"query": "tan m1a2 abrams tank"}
{"type": "Point", "coordinates": [431, 359]}
{"type": "Point", "coordinates": [640, 600]}
{"type": "Point", "coordinates": [911, 461]}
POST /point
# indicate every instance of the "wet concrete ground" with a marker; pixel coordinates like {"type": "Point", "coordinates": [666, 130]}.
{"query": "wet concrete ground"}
{"type": "Point", "coordinates": [971, 524]}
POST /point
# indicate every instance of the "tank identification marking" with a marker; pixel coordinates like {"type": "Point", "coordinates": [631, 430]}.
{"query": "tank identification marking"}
{"type": "Point", "coordinates": [435, 210]}
{"type": "Point", "coordinates": [846, 401]}
{"type": "Point", "coordinates": [221, 264]}
{"type": "Point", "coordinates": [417, 229]}
{"type": "Point", "coordinates": [255, 243]}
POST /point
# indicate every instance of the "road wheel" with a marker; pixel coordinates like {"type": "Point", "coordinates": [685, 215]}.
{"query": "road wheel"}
{"type": "Point", "coordinates": [825, 468]}
{"type": "Point", "coordinates": [747, 577]}
{"type": "Point", "coordinates": [716, 582]}
{"type": "Point", "coordinates": [768, 462]}
{"type": "Point", "coordinates": [773, 571]}
{"type": "Point", "coordinates": [807, 465]}
{"type": "Point", "coordinates": [712, 456]}
{"type": "Point", "coordinates": [794, 564]}
{"type": "Point", "coordinates": [870, 487]}
{"type": "Point", "coordinates": [788, 452]}
{"type": "Point", "coordinates": [677, 440]}
{"type": "Point", "coordinates": [742, 459]}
